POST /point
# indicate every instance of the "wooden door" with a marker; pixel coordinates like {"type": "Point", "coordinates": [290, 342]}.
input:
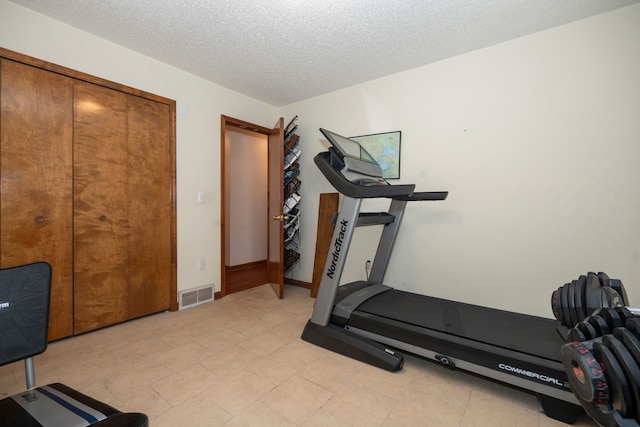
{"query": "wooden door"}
{"type": "Point", "coordinates": [275, 260]}
{"type": "Point", "coordinates": [101, 235]}
{"type": "Point", "coordinates": [36, 180]}
{"type": "Point", "coordinates": [149, 206]}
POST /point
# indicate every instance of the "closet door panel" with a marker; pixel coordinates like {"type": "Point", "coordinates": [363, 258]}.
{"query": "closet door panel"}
{"type": "Point", "coordinates": [100, 207]}
{"type": "Point", "coordinates": [149, 190]}
{"type": "Point", "coordinates": [36, 119]}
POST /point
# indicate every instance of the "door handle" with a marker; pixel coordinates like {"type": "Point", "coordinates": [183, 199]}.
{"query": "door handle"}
{"type": "Point", "coordinates": [280, 217]}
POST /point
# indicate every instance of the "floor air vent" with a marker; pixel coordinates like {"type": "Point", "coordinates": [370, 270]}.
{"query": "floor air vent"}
{"type": "Point", "coordinates": [196, 296]}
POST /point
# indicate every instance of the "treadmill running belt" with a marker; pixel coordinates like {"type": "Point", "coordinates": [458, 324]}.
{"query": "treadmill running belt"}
{"type": "Point", "coordinates": [514, 331]}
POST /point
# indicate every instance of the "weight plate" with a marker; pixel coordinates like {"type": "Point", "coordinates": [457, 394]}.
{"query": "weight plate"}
{"type": "Point", "coordinates": [588, 330]}
{"type": "Point", "coordinates": [629, 367]}
{"type": "Point", "coordinates": [555, 305]}
{"type": "Point", "coordinates": [604, 278]}
{"type": "Point", "coordinates": [564, 306]}
{"type": "Point", "coordinates": [571, 287]}
{"type": "Point", "coordinates": [621, 398]}
{"type": "Point", "coordinates": [633, 325]}
{"type": "Point", "coordinates": [592, 293]}
{"type": "Point", "coordinates": [624, 314]}
{"type": "Point", "coordinates": [612, 318]}
{"type": "Point", "coordinates": [585, 374]}
{"type": "Point", "coordinates": [571, 305]}
{"type": "Point", "coordinates": [576, 335]}
{"type": "Point", "coordinates": [599, 324]}
{"type": "Point", "coordinates": [631, 342]}
{"type": "Point", "coordinates": [617, 286]}
{"type": "Point", "coordinates": [610, 298]}
{"type": "Point", "coordinates": [579, 298]}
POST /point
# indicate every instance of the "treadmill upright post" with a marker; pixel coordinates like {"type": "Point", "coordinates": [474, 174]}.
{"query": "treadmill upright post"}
{"type": "Point", "coordinates": [342, 233]}
{"type": "Point", "coordinates": [387, 240]}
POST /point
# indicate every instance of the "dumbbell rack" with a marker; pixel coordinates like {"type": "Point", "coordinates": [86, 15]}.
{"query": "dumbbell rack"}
{"type": "Point", "coordinates": [602, 354]}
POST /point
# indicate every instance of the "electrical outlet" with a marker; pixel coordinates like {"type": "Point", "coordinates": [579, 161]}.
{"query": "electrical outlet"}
{"type": "Point", "coordinates": [200, 263]}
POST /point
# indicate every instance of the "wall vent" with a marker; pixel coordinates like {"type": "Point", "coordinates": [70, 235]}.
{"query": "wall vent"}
{"type": "Point", "coordinates": [195, 296]}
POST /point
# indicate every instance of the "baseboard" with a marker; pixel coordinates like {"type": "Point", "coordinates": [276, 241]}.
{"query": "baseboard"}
{"type": "Point", "coordinates": [298, 283]}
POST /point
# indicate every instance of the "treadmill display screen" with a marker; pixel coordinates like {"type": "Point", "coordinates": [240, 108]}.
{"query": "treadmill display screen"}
{"type": "Point", "coordinates": [355, 157]}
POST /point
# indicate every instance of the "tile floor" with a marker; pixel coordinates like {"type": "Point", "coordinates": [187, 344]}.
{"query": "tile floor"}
{"type": "Point", "coordinates": [240, 361]}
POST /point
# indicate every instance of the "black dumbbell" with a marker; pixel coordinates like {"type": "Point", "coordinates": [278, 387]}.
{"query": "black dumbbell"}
{"type": "Point", "coordinates": [630, 376]}
{"type": "Point", "coordinates": [604, 374]}
{"type": "Point", "coordinates": [614, 284]}
{"type": "Point", "coordinates": [601, 322]}
{"type": "Point", "coordinates": [631, 342]}
{"type": "Point", "coordinates": [563, 305]}
{"type": "Point", "coordinates": [586, 376]}
{"type": "Point", "coordinates": [575, 301]}
{"type": "Point", "coordinates": [571, 303]}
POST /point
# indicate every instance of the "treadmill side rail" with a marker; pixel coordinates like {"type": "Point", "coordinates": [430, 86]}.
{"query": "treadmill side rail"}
{"type": "Point", "coordinates": [557, 403]}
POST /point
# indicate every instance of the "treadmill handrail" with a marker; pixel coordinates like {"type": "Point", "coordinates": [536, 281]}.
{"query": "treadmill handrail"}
{"type": "Point", "coordinates": [424, 195]}
{"type": "Point", "coordinates": [350, 189]}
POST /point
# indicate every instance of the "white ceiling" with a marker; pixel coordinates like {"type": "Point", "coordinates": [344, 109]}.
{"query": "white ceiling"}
{"type": "Point", "coordinates": [283, 51]}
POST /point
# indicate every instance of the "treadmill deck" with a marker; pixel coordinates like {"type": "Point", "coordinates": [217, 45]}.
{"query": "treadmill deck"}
{"type": "Point", "coordinates": [522, 333]}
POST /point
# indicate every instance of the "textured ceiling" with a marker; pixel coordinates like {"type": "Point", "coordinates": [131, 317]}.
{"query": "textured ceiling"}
{"type": "Point", "coordinates": [283, 51]}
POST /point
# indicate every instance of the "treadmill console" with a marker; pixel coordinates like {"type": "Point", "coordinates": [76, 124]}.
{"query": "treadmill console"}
{"type": "Point", "coordinates": [354, 157]}
{"type": "Point", "coordinates": [369, 181]}
{"type": "Point", "coordinates": [354, 172]}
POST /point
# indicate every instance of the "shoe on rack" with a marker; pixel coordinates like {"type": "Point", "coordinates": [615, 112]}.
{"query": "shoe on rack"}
{"type": "Point", "coordinates": [290, 175]}
{"type": "Point", "coordinates": [291, 202]}
{"type": "Point", "coordinates": [292, 187]}
{"type": "Point", "coordinates": [289, 132]}
{"type": "Point", "coordinates": [291, 233]}
{"type": "Point", "coordinates": [291, 142]}
{"type": "Point", "coordinates": [292, 217]}
{"type": "Point", "coordinates": [290, 258]}
{"type": "Point", "coordinates": [291, 158]}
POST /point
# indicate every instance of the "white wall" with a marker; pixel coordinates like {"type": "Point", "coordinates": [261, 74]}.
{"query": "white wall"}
{"type": "Point", "coordinates": [198, 132]}
{"type": "Point", "coordinates": [536, 139]}
{"type": "Point", "coordinates": [247, 217]}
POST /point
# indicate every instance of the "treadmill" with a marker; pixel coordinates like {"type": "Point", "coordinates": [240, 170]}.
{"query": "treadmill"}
{"type": "Point", "coordinates": [369, 321]}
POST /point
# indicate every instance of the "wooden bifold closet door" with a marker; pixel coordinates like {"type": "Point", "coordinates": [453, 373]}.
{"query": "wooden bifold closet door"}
{"type": "Point", "coordinates": [36, 211]}
{"type": "Point", "coordinates": [121, 211]}
{"type": "Point", "coordinates": [149, 195]}
{"type": "Point", "coordinates": [99, 207]}
{"type": "Point", "coordinates": [87, 179]}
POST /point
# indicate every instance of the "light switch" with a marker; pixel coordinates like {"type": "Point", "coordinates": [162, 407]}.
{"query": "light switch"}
{"type": "Point", "coordinates": [201, 197]}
